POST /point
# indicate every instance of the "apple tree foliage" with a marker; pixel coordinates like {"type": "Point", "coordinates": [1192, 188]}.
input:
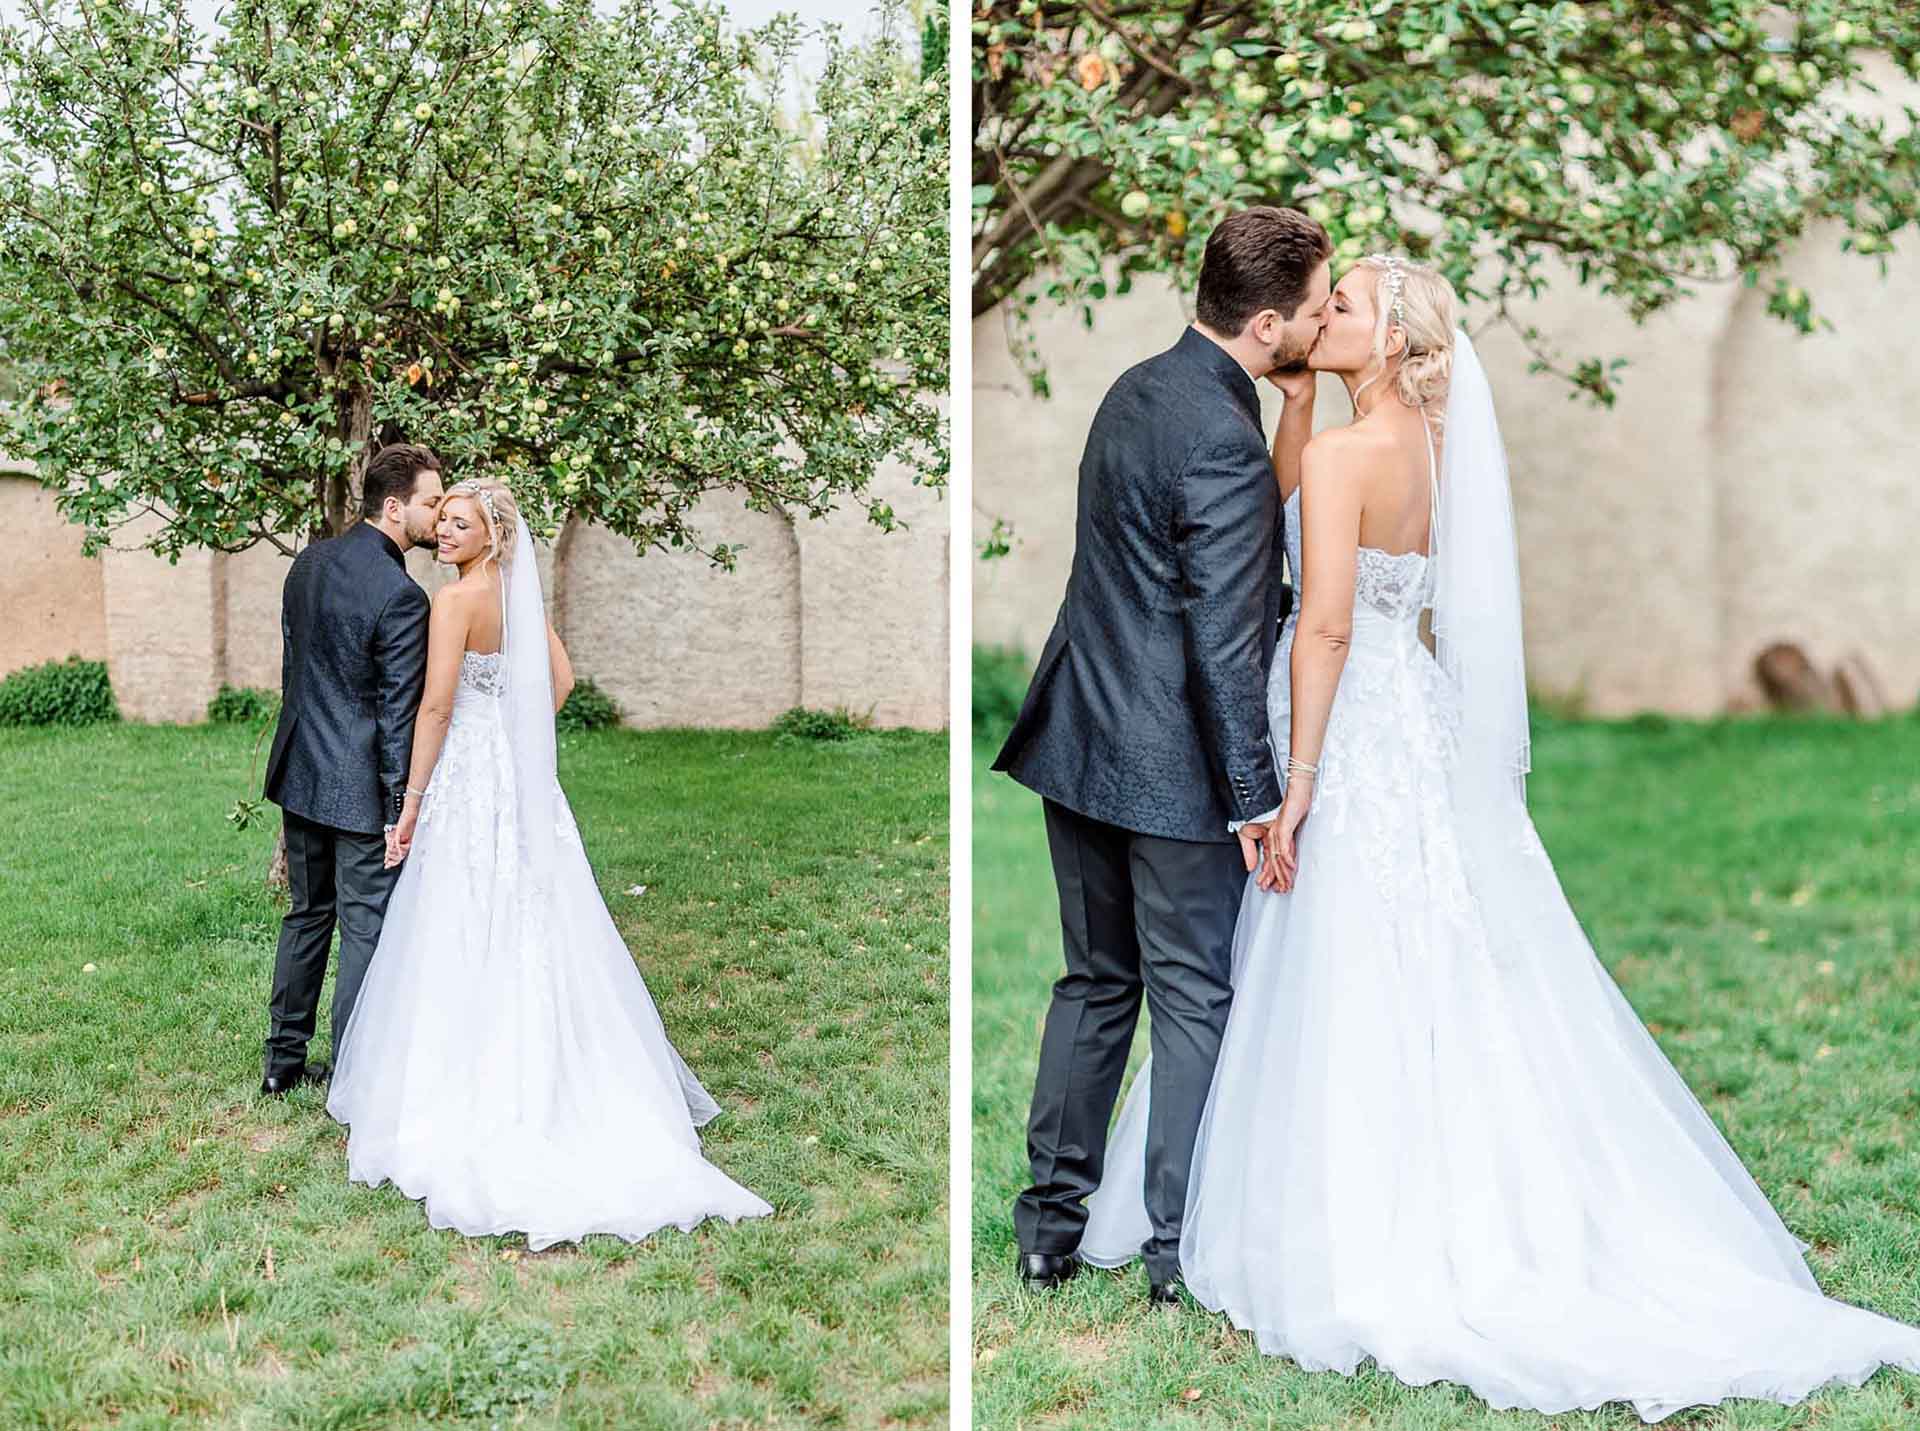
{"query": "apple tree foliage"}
{"type": "Point", "coordinates": [604, 255]}
{"type": "Point", "coordinates": [1644, 148]}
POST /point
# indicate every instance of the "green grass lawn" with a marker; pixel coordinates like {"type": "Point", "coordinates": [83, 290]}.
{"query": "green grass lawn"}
{"type": "Point", "coordinates": [176, 1251]}
{"type": "Point", "coordinates": [1754, 886]}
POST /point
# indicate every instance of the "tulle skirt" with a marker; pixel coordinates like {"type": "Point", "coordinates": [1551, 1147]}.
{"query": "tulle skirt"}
{"type": "Point", "coordinates": [1439, 1137]}
{"type": "Point", "coordinates": [505, 1062]}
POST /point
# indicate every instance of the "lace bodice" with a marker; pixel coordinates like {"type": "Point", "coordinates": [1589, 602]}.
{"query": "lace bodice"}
{"type": "Point", "coordinates": [480, 671]}
{"type": "Point", "coordinates": [1397, 585]}
{"type": "Point", "coordinates": [475, 773]}
{"type": "Point", "coordinates": [1395, 723]}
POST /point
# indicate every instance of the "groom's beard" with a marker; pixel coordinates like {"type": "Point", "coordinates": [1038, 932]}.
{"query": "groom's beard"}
{"type": "Point", "coordinates": [416, 536]}
{"type": "Point", "coordinates": [1290, 354]}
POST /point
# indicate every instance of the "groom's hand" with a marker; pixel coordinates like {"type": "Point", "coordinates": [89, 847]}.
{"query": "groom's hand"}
{"type": "Point", "coordinates": [400, 836]}
{"type": "Point", "coordinates": [1257, 848]}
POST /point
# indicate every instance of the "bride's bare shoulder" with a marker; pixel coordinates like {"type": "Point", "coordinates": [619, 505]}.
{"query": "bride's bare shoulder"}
{"type": "Point", "coordinates": [469, 593]}
{"type": "Point", "coordinates": [1343, 454]}
{"type": "Point", "coordinates": [458, 608]}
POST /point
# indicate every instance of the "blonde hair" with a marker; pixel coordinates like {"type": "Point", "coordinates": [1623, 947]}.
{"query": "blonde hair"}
{"type": "Point", "coordinates": [1418, 300]}
{"type": "Point", "coordinates": [502, 514]}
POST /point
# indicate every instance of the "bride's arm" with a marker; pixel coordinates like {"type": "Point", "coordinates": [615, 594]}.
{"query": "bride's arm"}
{"type": "Point", "coordinates": [446, 643]}
{"type": "Point", "coordinates": [1330, 501]}
{"type": "Point", "coordinates": [1295, 428]}
{"type": "Point", "coordinates": [562, 668]}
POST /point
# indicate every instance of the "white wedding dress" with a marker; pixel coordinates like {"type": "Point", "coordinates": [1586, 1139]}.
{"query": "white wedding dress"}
{"type": "Point", "coordinates": [504, 1061]}
{"type": "Point", "coordinates": [1438, 1136]}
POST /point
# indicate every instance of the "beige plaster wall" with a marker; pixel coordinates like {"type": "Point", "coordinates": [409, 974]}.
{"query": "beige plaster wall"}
{"type": "Point", "coordinates": [874, 608]}
{"type": "Point", "coordinates": [52, 599]}
{"type": "Point", "coordinates": [166, 629]}
{"type": "Point", "coordinates": [1818, 512]}
{"type": "Point", "coordinates": [666, 635]}
{"type": "Point", "coordinates": [834, 613]}
{"type": "Point", "coordinates": [1748, 486]}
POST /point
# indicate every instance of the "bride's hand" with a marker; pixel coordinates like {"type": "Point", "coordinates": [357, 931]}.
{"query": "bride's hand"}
{"type": "Point", "coordinates": [1296, 384]}
{"type": "Point", "coordinates": [400, 837]}
{"type": "Point", "coordinates": [1286, 830]}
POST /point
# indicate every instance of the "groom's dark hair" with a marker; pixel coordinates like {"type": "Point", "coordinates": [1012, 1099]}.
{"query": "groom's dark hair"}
{"type": "Point", "coordinates": [394, 472]}
{"type": "Point", "coordinates": [1259, 258]}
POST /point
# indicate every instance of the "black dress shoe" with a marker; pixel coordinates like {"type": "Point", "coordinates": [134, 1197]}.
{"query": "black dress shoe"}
{"type": "Point", "coordinates": [1165, 1294]}
{"type": "Point", "coordinates": [274, 1085]}
{"type": "Point", "coordinates": [1046, 1269]}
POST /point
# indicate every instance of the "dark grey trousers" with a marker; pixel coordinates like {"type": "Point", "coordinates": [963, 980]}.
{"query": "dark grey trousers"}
{"type": "Point", "coordinates": [1137, 914]}
{"type": "Point", "coordinates": [334, 876]}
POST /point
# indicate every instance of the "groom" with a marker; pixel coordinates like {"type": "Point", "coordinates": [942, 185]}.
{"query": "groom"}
{"type": "Point", "coordinates": [1145, 731]}
{"type": "Point", "coordinates": [354, 628]}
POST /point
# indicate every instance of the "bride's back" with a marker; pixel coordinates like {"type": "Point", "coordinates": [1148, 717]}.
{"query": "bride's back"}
{"type": "Point", "coordinates": [484, 626]}
{"type": "Point", "coordinates": [1396, 469]}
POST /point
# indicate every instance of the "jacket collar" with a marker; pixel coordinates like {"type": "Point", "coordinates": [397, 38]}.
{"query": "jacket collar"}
{"type": "Point", "coordinates": [379, 538]}
{"type": "Point", "coordinates": [1197, 347]}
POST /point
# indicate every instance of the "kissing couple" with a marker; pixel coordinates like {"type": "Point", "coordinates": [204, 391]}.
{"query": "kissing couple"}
{"type": "Point", "coordinates": [496, 1052]}
{"type": "Point", "coordinates": [1395, 1106]}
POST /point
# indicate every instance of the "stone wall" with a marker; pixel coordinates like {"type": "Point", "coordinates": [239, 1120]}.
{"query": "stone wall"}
{"type": "Point", "coordinates": [1749, 485]}
{"type": "Point", "coordinates": [822, 614]}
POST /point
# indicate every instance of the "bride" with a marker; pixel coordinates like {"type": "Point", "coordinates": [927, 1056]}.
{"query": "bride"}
{"type": "Point", "coordinates": [505, 1062]}
{"type": "Point", "coordinates": [1437, 1135]}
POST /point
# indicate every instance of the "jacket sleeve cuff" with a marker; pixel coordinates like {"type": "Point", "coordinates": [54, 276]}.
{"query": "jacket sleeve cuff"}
{"type": "Point", "coordinates": [1233, 826]}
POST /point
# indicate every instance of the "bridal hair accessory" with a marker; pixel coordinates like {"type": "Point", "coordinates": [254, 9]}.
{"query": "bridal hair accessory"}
{"type": "Point", "coordinates": [482, 495]}
{"type": "Point", "coordinates": [1394, 275]}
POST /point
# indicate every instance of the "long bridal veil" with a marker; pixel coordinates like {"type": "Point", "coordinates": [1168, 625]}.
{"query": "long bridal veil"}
{"type": "Point", "coordinates": [1476, 588]}
{"type": "Point", "coordinates": [527, 714]}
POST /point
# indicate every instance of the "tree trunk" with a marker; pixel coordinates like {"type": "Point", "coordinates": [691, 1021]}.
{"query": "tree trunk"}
{"type": "Point", "coordinates": [1791, 681]}
{"type": "Point", "coordinates": [352, 425]}
{"type": "Point", "coordinates": [354, 409]}
{"type": "Point", "coordinates": [1859, 687]}
{"type": "Point", "coordinates": [277, 869]}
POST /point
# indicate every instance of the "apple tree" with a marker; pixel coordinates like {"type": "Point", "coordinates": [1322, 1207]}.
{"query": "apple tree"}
{"type": "Point", "coordinates": [604, 255]}
{"type": "Point", "coordinates": [1648, 148]}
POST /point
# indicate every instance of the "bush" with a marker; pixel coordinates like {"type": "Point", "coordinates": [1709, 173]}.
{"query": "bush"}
{"type": "Point", "coordinates": [803, 724]}
{"type": "Point", "coordinates": [69, 692]}
{"type": "Point", "coordinates": [242, 705]}
{"type": "Point", "coordinates": [1000, 676]}
{"type": "Point", "coordinates": [587, 707]}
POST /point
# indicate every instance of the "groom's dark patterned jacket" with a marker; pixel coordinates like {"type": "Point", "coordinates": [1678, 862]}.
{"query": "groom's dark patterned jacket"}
{"type": "Point", "coordinates": [1148, 707]}
{"type": "Point", "coordinates": [354, 662]}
